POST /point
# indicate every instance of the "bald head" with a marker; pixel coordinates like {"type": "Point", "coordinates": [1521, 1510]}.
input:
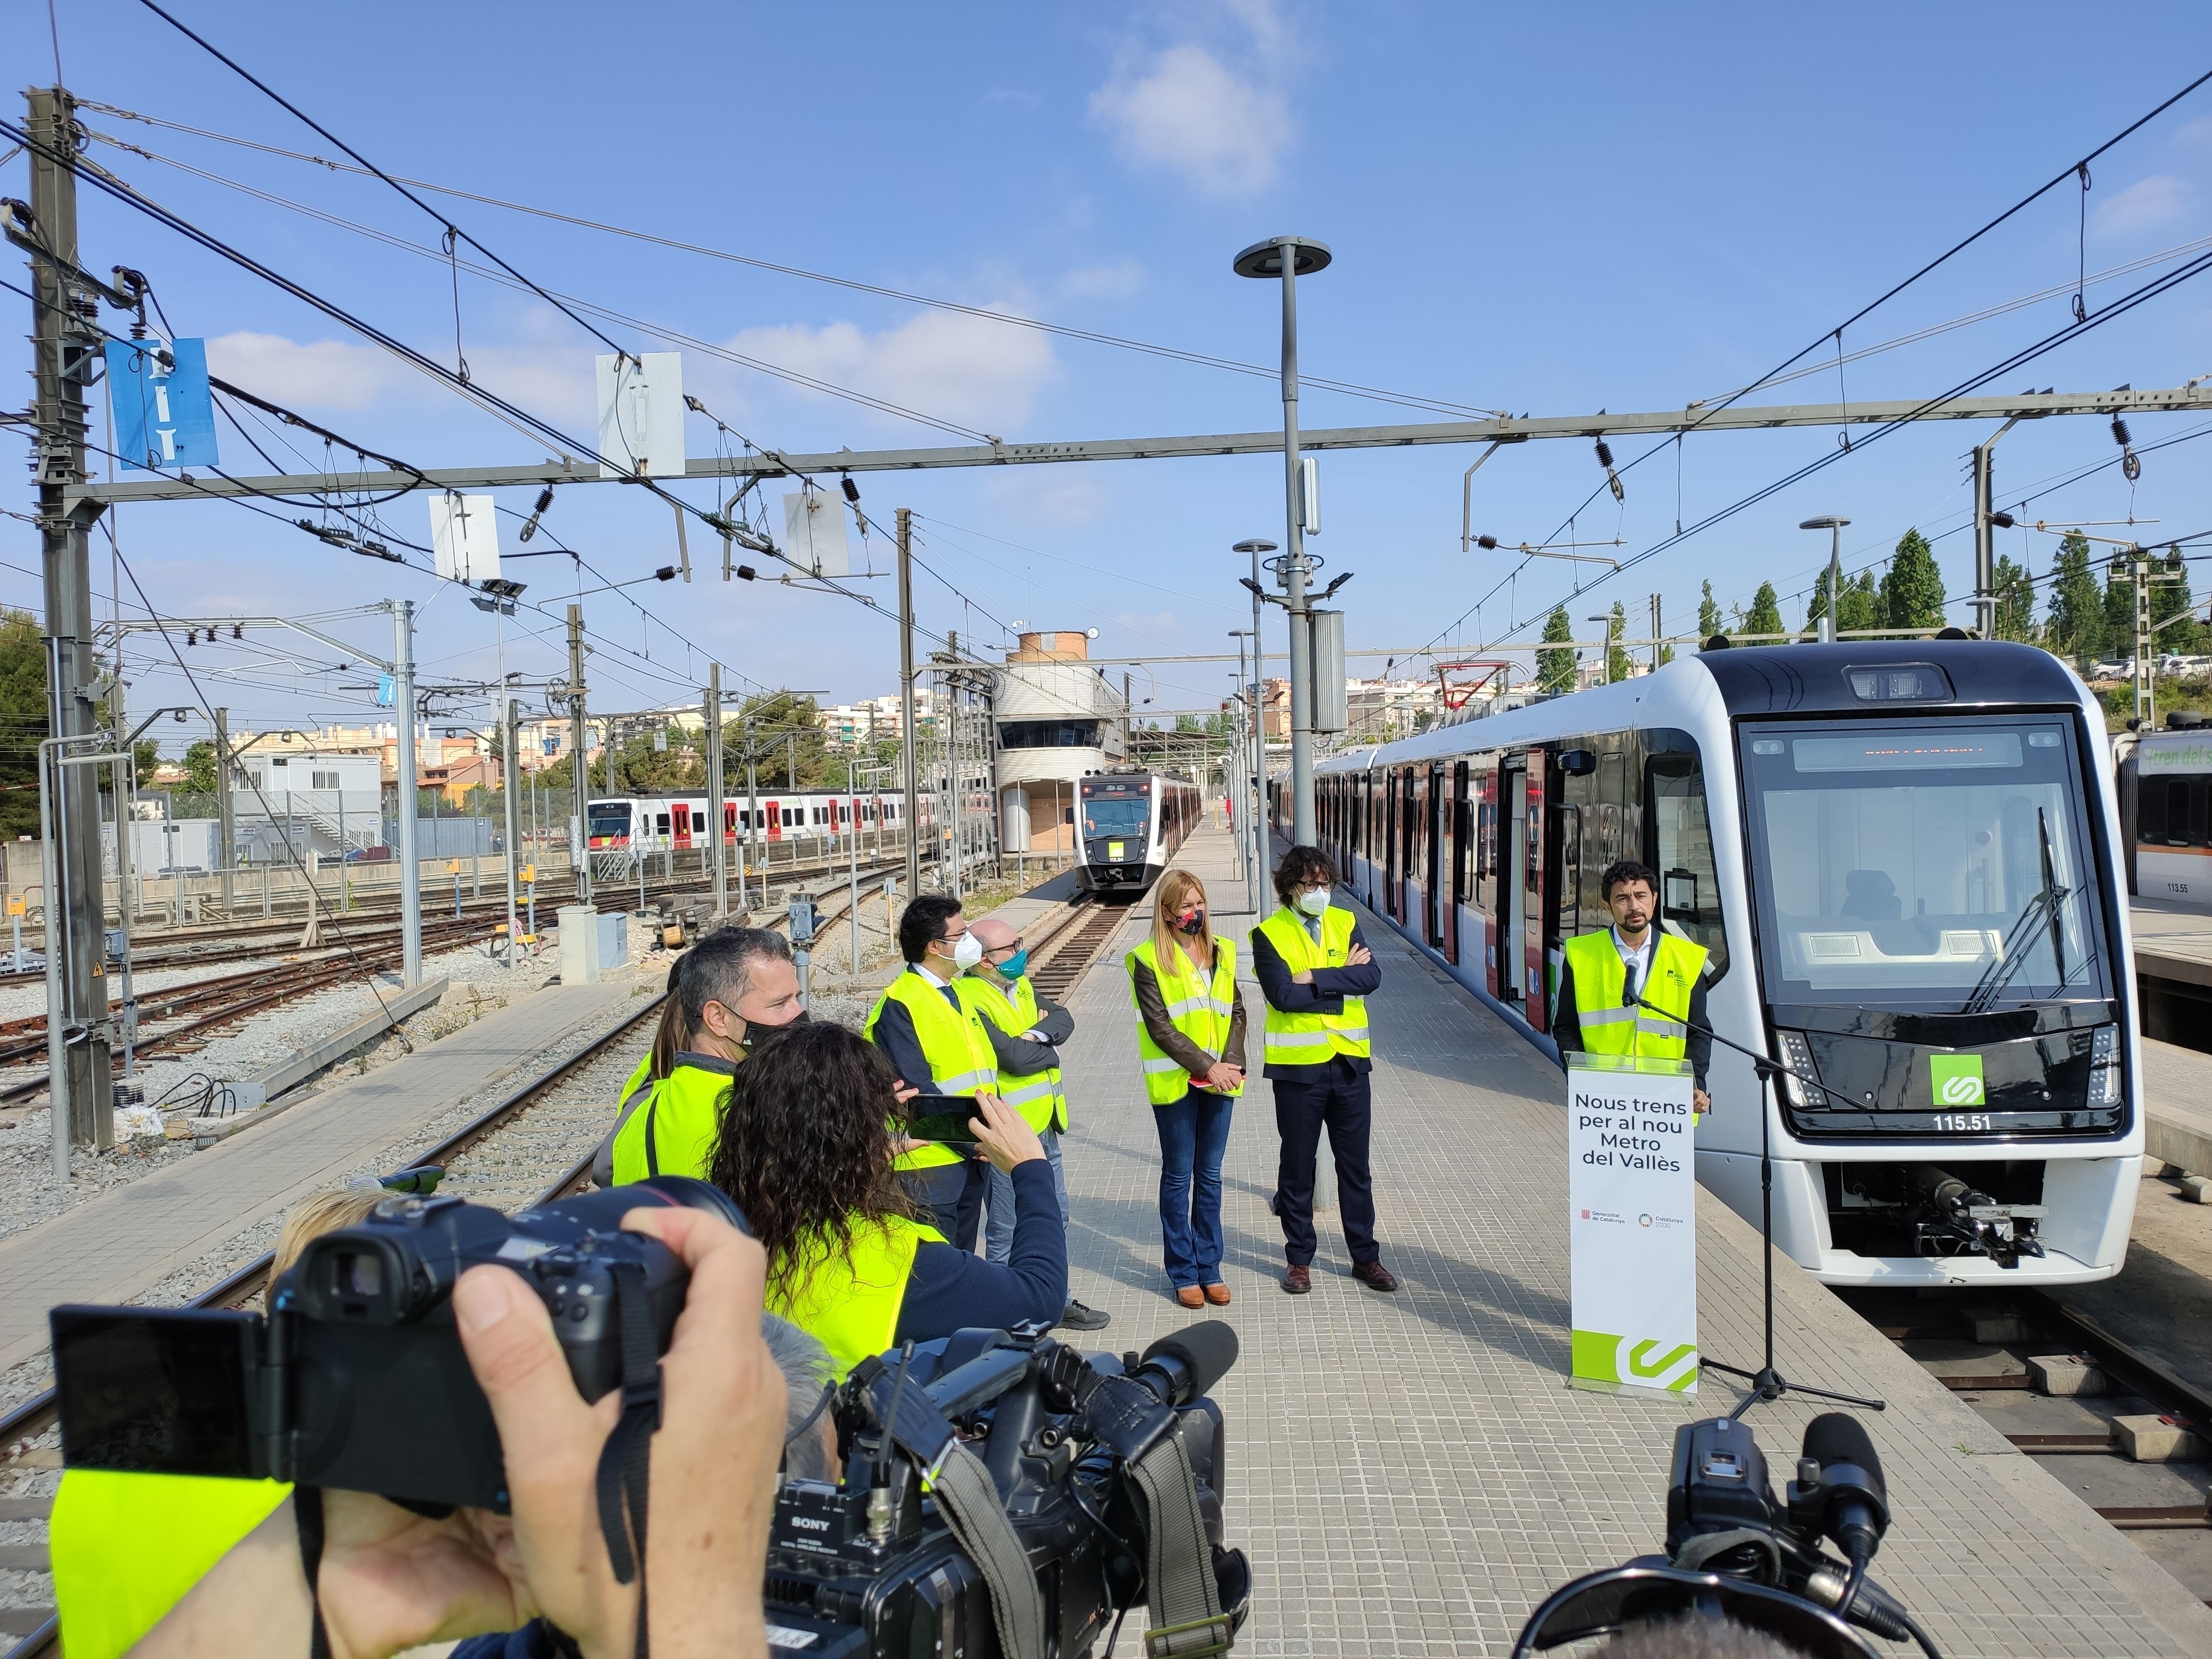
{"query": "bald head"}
{"type": "Point", "coordinates": [992, 935]}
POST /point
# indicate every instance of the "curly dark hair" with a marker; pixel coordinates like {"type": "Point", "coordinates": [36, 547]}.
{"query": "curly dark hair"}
{"type": "Point", "coordinates": [1301, 867]}
{"type": "Point", "coordinates": [1620, 872]}
{"type": "Point", "coordinates": [805, 1145]}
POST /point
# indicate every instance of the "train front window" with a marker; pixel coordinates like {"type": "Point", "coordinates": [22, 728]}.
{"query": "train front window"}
{"type": "Point", "coordinates": [610, 818]}
{"type": "Point", "coordinates": [1122, 820]}
{"type": "Point", "coordinates": [1931, 864]}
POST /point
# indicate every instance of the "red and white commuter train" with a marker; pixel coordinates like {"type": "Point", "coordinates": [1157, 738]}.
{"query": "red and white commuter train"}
{"type": "Point", "coordinates": [658, 823]}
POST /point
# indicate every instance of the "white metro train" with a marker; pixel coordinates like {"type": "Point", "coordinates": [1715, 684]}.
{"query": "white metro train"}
{"type": "Point", "coordinates": [1905, 861]}
{"type": "Point", "coordinates": [1130, 824]}
{"type": "Point", "coordinates": [661, 822]}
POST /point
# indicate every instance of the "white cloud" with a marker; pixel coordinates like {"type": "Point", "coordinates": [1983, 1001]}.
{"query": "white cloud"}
{"type": "Point", "coordinates": [1217, 114]}
{"type": "Point", "coordinates": [2146, 205]}
{"type": "Point", "coordinates": [322, 374]}
{"type": "Point", "coordinates": [966, 369]}
{"type": "Point", "coordinates": [1115, 281]}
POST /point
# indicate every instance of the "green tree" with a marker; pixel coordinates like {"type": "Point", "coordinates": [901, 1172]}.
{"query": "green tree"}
{"type": "Point", "coordinates": [199, 768]}
{"type": "Point", "coordinates": [2076, 611]}
{"type": "Point", "coordinates": [1666, 655]}
{"type": "Point", "coordinates": [22, 719]}
{"type": "Point", "coordinates": [787, 731]}
{"type": "Point", "coordinates": [1617, 663]}
{"type": "Point", "coordinates": [1709, 614]}
{"type": "Point", "coordinates": [2014, 590]}
{"type": "Point", "coordinates": [1555, 670]}
{"type": "Point", "coordinates": [1912, 592]}
{"type": "Point", "coordinates": [2169, 599]}
{"type": "Point", "coordinates": [1816, 606]}
{"type": "Point", "coordinates": [1765, 615]}
{"type": "Point", "coordinates": [1861, 607]}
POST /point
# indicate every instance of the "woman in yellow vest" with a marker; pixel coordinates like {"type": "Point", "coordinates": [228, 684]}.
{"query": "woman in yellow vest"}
{"type": "Point", "coordinates": [126, 1548]}
{"type": "Point", "coordinates": [1190, 1033]}
{"type": "Point", "coordinates": [805, 1148]}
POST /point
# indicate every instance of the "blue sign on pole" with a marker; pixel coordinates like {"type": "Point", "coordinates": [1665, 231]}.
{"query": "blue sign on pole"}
{"type": "Point", "coordinates": [164, 413]}
{"type": "Point", "coordinates": [388, 690]}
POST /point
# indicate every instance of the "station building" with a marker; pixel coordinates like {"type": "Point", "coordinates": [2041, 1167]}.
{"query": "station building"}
{"type": "Point", "coordinates": [1059, 721]}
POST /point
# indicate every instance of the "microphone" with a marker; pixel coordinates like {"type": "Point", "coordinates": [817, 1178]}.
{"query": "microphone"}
{"type": "Point", "coordinates": [1839, 1491]}
{"type": "Point", "coordinates": [1181, 1366]}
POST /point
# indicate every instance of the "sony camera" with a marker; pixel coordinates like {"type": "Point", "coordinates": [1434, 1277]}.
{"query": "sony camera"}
{"type": "Point", "coordinates": [881, 1563]}
{"type": "Point", "coordinates": [1736, 1552]}
{"type": "Point", "coordinates": [355, 1378]}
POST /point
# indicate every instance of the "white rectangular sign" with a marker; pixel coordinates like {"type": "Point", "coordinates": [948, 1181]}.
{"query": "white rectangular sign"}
{"type": "Point", "coordinates": [642, 416]}
{"type": "Point", "coordinates": [1631, 1221]}
{"type": "Point", "coordinates": [814, 531]}
{"type": "Point", "coordinates": [464, 537]}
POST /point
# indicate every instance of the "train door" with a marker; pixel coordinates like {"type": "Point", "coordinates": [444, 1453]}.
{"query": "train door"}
{"type": "Point", "coordinates": [1540, 891]}
{"type": "Point", "coordinates": [774, 811]}
{"type": "Point", "coordinates": [1436, 866]}
{"type": "Point", "coordinates": [1513, 810]}
{"type": "Point", "coordinates": [1391, 864]}
{"type": "Point", "coordinates": [1458, 845]}
{"type": "Point", "coordinates": [680, 822]}
{"type": "Point", "coordinates": [1371, 841]}
{"type": "Point", "coordinates": [1417, 852]}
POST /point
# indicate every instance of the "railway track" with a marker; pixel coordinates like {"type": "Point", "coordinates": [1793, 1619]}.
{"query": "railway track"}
{"type": "Point", "coordinates": [1062, 955]}
{"type": "Point", "coordinates": [1978, 1345]}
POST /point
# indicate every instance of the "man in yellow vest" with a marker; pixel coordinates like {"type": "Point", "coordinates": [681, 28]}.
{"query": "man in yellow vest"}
{"type": "Point", "coordinates": [940, 1047]}
{"type": "Point", "coordinates": [735, 985]}
{"type": "Point", "coordinates": [1316, 972]}
{"type": "Point", "coordinates": [1606, 973]}
{"type": "Point", "coordinates": [1026, 1031]}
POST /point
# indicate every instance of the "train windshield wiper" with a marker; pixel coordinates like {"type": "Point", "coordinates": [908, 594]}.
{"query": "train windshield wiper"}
{"type": "Point", "coordinates": [2041, 909]}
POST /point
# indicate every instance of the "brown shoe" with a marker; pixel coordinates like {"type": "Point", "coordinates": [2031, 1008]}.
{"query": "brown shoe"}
{"type": "Point", "coordinates": [1218, 1295]}
{"type": "Point", "coordinates": [1190, 1296]}
{"type": "Point", "coordinates": [1375, 1276]}
{"type": "Point", "coordinates": [1298, 1280]}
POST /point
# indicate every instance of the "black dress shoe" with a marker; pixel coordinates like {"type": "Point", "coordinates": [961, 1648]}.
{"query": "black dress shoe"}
{"type": "Point", "coordinates": [1077, 1318]}
{"type": "Point", "coordinates": [1375, 1276]}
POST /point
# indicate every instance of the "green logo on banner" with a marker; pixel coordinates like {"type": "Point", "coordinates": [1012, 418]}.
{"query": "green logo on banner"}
{"type": "Point", "coordinates": [1956, 1079]}
{"type": "Point", "coordinates": [1599, 1357]}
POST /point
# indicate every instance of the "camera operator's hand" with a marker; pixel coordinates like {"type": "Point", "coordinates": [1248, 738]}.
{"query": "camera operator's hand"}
{"type": "Point", "coordinates": [1002, 1134]}
{"type": "Point", "coordinates": [713, 1460]}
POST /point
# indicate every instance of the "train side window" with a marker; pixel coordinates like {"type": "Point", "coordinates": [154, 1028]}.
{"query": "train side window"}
{"type": "Point", "coordinates": [2176, 825]}
{"type": "Point", "coordinates": [2150, 813]}
{"type": "Point", "coordinates": [1681, 838]}
{"type": "Point", "coordinates": [662, 820]}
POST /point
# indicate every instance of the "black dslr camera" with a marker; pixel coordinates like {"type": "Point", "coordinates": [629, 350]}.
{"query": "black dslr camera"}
{"type": "Point", "coordinates": [357, 1379]}
{"type": "Point", "coordinates": [1070, 1448]}
{"type": "Point", "coordinates": [1734, 1553]}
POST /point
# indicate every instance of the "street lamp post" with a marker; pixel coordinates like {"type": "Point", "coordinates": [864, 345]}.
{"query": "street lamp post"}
{"type": "Point", "coordinates": [1257, 830]}
{"type": "Point", "coordinates": [1835, 527]}
{"type": "Point", "coordinates": [1289, 258]}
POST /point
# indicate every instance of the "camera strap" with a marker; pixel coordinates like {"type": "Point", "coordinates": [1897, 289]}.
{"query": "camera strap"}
{"type": "Point", "coordinates": [308, 1516]}
{"type": "Point", "coordinates": [626, 1460]}
{"type": "Point", "coordinates": [1182, 1594]}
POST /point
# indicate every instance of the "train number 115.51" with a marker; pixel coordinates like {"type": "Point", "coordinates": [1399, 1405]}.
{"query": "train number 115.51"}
{"type": "Point", "coordinates": [1963, 1122]}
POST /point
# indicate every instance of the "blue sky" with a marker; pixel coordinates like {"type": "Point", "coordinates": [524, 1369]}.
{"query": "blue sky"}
{"type": "Point", "coordinates": [1544, 210]}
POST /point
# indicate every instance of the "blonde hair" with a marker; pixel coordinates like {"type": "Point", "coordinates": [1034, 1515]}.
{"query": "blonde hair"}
{"type": "Point", "coordinates": [313, 1216]}
{"type": "Point", "coordinates": [1175, 890]}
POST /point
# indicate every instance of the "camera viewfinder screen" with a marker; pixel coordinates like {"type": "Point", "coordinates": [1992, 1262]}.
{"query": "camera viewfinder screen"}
{"type": "Point", "coordinates": [158, 1391]}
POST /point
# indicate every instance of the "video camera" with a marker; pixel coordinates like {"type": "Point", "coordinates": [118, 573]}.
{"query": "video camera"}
{"type": "Point", "coordinates": [357, 1379]}
{"type": "Point", "coordinates": [991, 1480]}
{"type": "Point", "coordinates": [1734, 1553]}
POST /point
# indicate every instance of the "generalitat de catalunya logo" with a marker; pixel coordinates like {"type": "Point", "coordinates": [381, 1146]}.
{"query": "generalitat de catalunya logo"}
{"type": "Point", "coordinates": [1956, 1079]}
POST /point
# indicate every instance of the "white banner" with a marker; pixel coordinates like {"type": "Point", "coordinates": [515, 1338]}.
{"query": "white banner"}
{"type": "Point", "coordinates": [1631, 1221]}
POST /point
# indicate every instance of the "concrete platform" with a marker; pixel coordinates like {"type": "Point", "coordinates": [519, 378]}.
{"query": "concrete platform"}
{"type": "Point", "coordinates": [113, 1247]}
{"type": "Point", "coordinates": [2172, 942]}
{"type": "Point", "coordinates": [1411, 1473]}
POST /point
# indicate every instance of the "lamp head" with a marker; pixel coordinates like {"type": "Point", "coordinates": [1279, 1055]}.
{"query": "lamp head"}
{"type": "Point", "coordinates": [1266, 258]}
{"type": "Point", "coordinates": [1255, 545]}
{"type": "Point", "coordinates": [1828, 523]}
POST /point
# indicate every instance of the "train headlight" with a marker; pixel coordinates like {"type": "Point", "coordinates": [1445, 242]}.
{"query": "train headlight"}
{"type": "Point", "coordinates": [1797, 1055]}
{"type": "Point", "coordinates": [2105, 1067]}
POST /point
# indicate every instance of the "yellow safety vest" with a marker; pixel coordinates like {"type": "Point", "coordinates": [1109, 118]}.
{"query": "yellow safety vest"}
{"type": "Point", "coordinates": [127, 1548]}
{"type": "Point", "coordinates": [1601, 978]}
{"type": "Point", "coordinates": [1314, 1039]}
{"type": "Point", "coordinates": [961, 1058]}
{"type": "Point", "coordinates": [671, 1131]}
{"type": "Point", "coordinates": [1036, 1096]}
{"type": "Point", "coordinates": [636, 1081]}
{"type": "Point", "coordinates": [1201, 1009]}
{"type": "Point", "coordinates": [851, 1306]}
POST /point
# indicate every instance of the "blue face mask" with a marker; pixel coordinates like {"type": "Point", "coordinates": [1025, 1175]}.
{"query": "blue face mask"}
{"type": "Point", "coordinates": [1016, 965]}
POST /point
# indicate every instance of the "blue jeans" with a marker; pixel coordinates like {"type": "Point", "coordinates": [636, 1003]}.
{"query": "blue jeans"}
{"type": "Point", "coordinates": [1193, 1134]}
{"type": "Point", "coordinates": [999, 1231]}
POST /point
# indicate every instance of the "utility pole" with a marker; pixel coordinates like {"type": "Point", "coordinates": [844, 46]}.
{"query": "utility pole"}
{"type": "Point", "coordinates": [580, 770]}
{"type": "Point", "coordinates": [1985, 521]}
{"type": "Point", "coordinates": [906, 699]}
{"type": "Point", "coordinates": [1124, 717]}
{"type": "Point", "coordinates": [1658, 650]}
{"type": "Point", "coordinates": [715, 810]}
{"type": "Point", "coordinates": [226, 850]}
{"type": "Point", "coordinates": [1256, 826]}
{"type": "Point", "coordinates": [410, 870]}
{"type": "Point", "coordinates": [64, 344]}
{"type": "Point", "coordinates": [510, 764]}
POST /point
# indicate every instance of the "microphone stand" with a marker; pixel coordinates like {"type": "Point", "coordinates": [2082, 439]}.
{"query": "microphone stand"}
{"type": "Point", "coordinates": [1767, 1383]}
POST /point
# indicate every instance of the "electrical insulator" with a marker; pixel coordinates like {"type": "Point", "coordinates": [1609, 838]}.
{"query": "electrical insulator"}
{"type": "Point", "coordinates": [852, 490]}
{"type": "Point", "coordinates": [1604, 455]}
{"type": "Point", "coordinates": [237, 630]}
{"type": "Point", "coordinates": [746, 573]}
{"type": "Point", "coordinates": [2003, 521]}
{"type": "Point", "coordinates": [544, 500]}
{"type": "Point", "coordinates": [2120, 432]}
{"type": "Point", "coordinates": [1487, 544]}
{"type": "Point", "coordinates": [191, 636]}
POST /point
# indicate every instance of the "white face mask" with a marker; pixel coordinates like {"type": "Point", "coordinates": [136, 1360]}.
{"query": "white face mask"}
{"type": "Point", "coordinates": [1313, 903]}
{"type": "Point", "coordinates": [968, 951]}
